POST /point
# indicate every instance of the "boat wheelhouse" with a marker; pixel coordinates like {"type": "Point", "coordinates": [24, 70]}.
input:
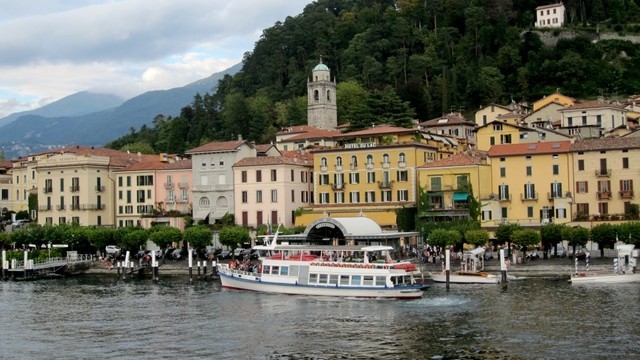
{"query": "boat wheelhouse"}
{"type": "Point", "coordinates": [624, 269]}
{"type": "Point", "coordinates": [471, 270]}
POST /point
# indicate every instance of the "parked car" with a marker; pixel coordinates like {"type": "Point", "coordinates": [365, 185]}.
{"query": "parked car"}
{"type": "Point", "coordinates": [112, 250]}
{"type": "Point", "coordinates": [19, 223]}
{"type": "Point", "coordinates": [224, 254]}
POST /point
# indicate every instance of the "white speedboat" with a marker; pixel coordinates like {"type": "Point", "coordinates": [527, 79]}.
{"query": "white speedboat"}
{"type": "Point", "coordinates": [346, 271]}
{"type": "Point", "coordinates": [462, 277]}
{"type": "Point", "coordinates": [624, 269]}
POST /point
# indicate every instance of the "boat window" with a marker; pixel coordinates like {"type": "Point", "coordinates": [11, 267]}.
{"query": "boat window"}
{"type": "Point", "coordinates": [266, 269]}
{"type": "Point", "coordinates": [284, 270]}
{"type": "Point", "coordinates": [275, 270]}
{"type": "Point", "coordinates": [381, 280]}
{"type": "Point", "coordinates": [355, 279]}
{"type": "Point", "coordinates": [322, 279]}
{"type": "Point", "coordinates": [313, 278]}
{"type": "Point", "coordinates": [368, 280]}
{"type": "Point", "coordinates": [344, 279]}
{"type": "Point", "coordinates": [333, 279]}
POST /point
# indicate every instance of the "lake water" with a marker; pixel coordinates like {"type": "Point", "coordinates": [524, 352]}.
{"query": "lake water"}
{"type": "Point", "coordinates": [103, 317]}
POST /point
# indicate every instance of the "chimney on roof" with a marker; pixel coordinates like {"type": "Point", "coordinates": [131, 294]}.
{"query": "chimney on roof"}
{"type": "Point", "coordinates": [239, 137]}
{"type": "Point", "coordinates": [139, 156]}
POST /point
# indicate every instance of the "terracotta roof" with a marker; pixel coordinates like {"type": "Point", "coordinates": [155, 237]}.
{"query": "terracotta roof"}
{"type": "Point", "coordinates": [379, 130]}
{"type": "Point", "coordinates": [446, 120]}
{"type": "Point", "coordinates": [592, 105]}
{"type": "Point", "coordinates": [272, 160]}
{"type": "Point", "coordinates": [6, 164]}
{"type": "Point", "coordinates": [547, 147]}
{"type": "Point", "coordinates": [305, 155]}
{"type": "Point", "coordinates": [549, 6]}
{"type": "Point", "coordinates": [505, 107]}
{"type": "Point", "coordinates": [295, 129]}
{"type": "Point", "coordinates": [610, 143]}
{"type": "Point", "coordinates": [315, 133]}
{"type": "Point", "coordinates": [157, 165]}
{"type": "Point", "coordinates": [510, 115]}
{"type": "Point", "coordinates": [263, 148]}
{"type": "Point", "coordinates": [217, 146]}
{"type": "Point", "coordinates": [461, 159]}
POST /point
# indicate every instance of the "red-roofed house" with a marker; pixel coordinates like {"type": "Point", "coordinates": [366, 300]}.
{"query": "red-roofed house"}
{"type": "Point", "coordinates": [453, 124]}
{"type": "Point", "coordinates": [269, 189]}
{"type": "Point", "coordinates": [601, 115]}
{"type": "Point", "coordinates": [303, 136]}
{"type": "Point", "coordinates": [154, 191]}
{"type": "Point", "coordinates": [449, 183]}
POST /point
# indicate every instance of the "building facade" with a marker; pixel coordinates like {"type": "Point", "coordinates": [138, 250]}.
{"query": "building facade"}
{"type": "Point", "coordinates": [212, 172]}
{"type": "Point", "coordinates": [550, 15]}
{"type": "Point", "coordinates": [269, 189]}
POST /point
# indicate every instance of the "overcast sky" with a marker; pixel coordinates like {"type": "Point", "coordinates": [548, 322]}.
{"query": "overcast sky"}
{"type": "Point", "coordinates": [53, 48]}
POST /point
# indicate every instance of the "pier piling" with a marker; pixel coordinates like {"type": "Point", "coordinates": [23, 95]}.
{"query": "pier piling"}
{"type": "Point", "coordinates": [5, 265]}
{"type": "Point", "coordinates": [154, 267]}
{"type": "Point", "coordinates": [198, 265]}
{"type": "Point", "coordinates": [447, 266]}
{"type": "Point", "coordinates": [503, 268]}
{"type": "Point", "coordinates": [204, 268]}
{"type": "Point", "coordinates": [190, 266]}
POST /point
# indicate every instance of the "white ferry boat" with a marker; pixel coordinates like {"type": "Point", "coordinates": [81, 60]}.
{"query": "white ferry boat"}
{"type": "Point", "coordinates": [471, 272]}
{"type": "Point", "coordinates": [346, 271]}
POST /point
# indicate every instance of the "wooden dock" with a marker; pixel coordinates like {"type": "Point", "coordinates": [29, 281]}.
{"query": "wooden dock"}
{"type": "Point", "coordinates": [32, 269]}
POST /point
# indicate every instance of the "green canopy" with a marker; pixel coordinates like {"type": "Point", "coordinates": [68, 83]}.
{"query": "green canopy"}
{"type": "Point", "coordinates": [460, 196]}
{"type": "Point", "coordinates": [435, 194]}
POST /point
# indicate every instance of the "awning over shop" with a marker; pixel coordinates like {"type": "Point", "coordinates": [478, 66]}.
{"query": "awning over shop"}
{"type": "Point", "coordinates": [200, 215]}
{"type": "Point", "coordinates": [460, 196]}
{"type": "Point", "coordinates": [434, 194]}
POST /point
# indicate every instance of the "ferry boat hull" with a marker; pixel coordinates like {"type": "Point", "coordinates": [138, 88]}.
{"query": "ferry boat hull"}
{"type": "Point", "coordinates": [255, 283]}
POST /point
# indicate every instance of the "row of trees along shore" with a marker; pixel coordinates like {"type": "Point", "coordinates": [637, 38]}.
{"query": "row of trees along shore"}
{"type": "Point", "coordinates": [397, 60]}
{"type": "Point", "coordinates": [456, 234]}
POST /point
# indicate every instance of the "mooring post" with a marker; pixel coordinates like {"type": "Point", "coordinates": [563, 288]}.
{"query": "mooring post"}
{"type": "Point", "coordinates": [198, 265]}
{"type": "Point", "coordinates": [154, 267]}
{"type": "Point", "coordinates": [447, 266]}
{"type": "Point", "coordinates": [190, 266]}
{"type": "Point", "coordinates": [5, 266]}
{"type": "Point", "coordinates": [503, 267]}
{"type": "Point", "coordinates": [214, 268]}
{"type": "Point", "coordinates": [26, 263]}
{"type": "Point", "coordinates": [118, 268]}
{"type": "Point", "coordinates": [126, 265]}
{"type": "Point", "coordinates": [204, 268]}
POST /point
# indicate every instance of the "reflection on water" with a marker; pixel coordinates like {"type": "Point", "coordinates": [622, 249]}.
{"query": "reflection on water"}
{"type": "Point", "coordinates": [92, 316]}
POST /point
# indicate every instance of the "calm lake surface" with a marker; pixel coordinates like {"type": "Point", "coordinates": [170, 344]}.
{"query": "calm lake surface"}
{"type": "Point", "coordinates": [103, 317]}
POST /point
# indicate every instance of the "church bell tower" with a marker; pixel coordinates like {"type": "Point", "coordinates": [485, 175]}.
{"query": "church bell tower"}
{"type": "Point", "coordinates": [322, 111]}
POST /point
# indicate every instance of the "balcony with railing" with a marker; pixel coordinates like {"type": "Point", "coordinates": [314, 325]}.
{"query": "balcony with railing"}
{"type": "Point", "coordinates": [44, 208]}
{"type": "Point", "coordinates": [337, 187]}
{"type": "Point", "coordinates": [168, 185]}
{"type": "Point", "coordinates": [338, 167]}
{"type": "Point", "coordinates": [385, 165]}
{"type": "Point", "coordinates": [183, 185]}
{"type": "Point", "coordinates": [182, 200]}
{"type": "Point", "coordinates": [100, 188]}
{"type": "Point", "coordinates": [47, 190]}
{"type": "Point", "coordinates": [504, 198]}
{"type": "Point", "coordinates": [529, 196]}
{"type": "Point", "coordinates": [170, 200]}
{"type": "Point", "coordinates": [369, 166]}
{"type": "Point", "coordinates": [353, 167]}
{"type": "Point", "coordinates": [603, 195]}
{"type": "Point", "coordinates": [626, 194]}
{"type": "Point", "coordinates": [75, 206]}
{"type": "Point", "coordinates": [402, 164]}
{"type": "Point", "coordinates": [554, 195]}
{"type": "Point", "coordinates": [74, 188]}
{"type": "Point", "coordinates": [92, 207]}
{"type": "Point", "coordinates": [603, 172]}
{"type": "Point", "coordinates": [386, 184]}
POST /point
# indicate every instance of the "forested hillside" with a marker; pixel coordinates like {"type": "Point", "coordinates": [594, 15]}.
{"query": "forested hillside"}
{"type": "Point", "coordinates": [424, 57]}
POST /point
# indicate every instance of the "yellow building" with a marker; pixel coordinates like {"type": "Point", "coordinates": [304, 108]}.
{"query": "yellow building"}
{"type": "Point", "coordinates": [77, 185]}
{"type": "Point", "coordinates": [448, 183]}
{"type": "Point", "coordinates": [531, 184]}
{"type": "Point", "coordinates": [372, 171]}
{"type": "Point", "coordinates": [24, 182]}
{"type": "Point", "coordinates": [605, 170]}
{"type": "Point", "coordinates": [555, 97]}
{"type": "Point", "coordinates": [489, 113]}
{"type": "Point", "coordinates": [500, 133]}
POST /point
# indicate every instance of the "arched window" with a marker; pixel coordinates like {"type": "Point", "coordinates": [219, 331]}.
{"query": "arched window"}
{"type": "Point", "coordinates": [385, 158]}
{"type": "Point", "coordinates": [370, 159]}
{"type": "Point", "coordinates": [204, 202]}
{"type": "Point", "coordinates": [402, 158]}
{"type": "Point", "coordinates": [354, 161]}
{"type": "Point", "coordinates": [323, 161]}
{"type": "Point", "coordinates": [328, 95]}
{"type": "Point", "coordinates": [339, 161]}
{"type": "Point", "coordinates": [222, 202]}
{"type": "Point", "coordinates": [316, 95]}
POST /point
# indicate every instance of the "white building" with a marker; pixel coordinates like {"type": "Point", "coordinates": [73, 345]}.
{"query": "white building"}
{"type": "Point", "coordinates": [550, 16]}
